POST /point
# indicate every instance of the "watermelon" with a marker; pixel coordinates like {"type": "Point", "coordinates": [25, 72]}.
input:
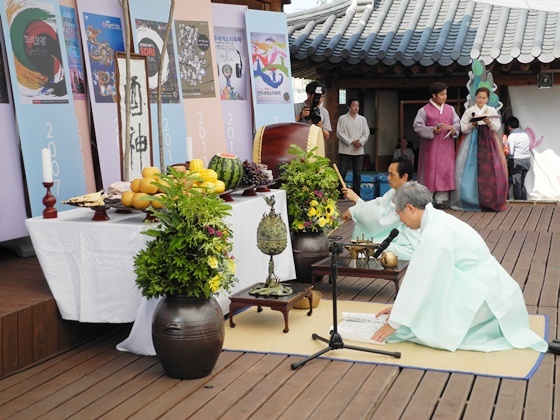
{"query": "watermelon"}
{"type": "Point", "coordinates": [228, 167]}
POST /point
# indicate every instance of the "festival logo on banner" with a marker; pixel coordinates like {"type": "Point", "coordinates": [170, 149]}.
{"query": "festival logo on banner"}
{"type": "Point", "coordinates": [73, 51]}
{"type": "Point", "coordinates": [37, 54]}
{"type": "Point", "coordinates": [104, 37]}
{"type": "Point", "coordinates": [195, 59]}
{"type": "Point", "coordinates": [150, 36]}
{"type": "Point", "coordinates": [230, 55]}
{"type": "Point", "coordinates": [270, 74]}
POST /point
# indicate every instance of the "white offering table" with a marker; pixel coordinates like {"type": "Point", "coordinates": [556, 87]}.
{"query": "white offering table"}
{"type": "Point", "coordinates": [89, 265]}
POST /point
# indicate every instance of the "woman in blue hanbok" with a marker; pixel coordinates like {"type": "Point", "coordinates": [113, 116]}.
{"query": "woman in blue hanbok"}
{"type": "Point", "coordinates": [480, 169]}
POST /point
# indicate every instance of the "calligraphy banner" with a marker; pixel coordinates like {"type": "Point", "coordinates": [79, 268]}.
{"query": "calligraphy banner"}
{"type": "Point", "coordinates": [149, 22]}
{"type": "Point", "coordinates": [101, 26]}
{"type": "Point", "coordinates": [270, 67]}
{"type": "Point", "coordinates": [232, 64]}
{"type": "Point", "coordinates": [44, 108]}
{"type": "Point", "coordinates": [12, 221]}
{"type": "Point", "coordinates": [77, 81]}
{"type": "Point", "coordinates": [194, 35]}
{"type": "Point", "coordinates": [140, 140]}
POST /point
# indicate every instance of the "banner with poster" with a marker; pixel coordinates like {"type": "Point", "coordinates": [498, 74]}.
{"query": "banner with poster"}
{"type": "Point", "coordinates": [44, 106]}
{"type": "Point", "coordinates": [232, 64]}
{"type": "Point", "coordinates": [270, 67]}
{"type": "Point", "coordinates": [194, 34]}
{"type": "Point", "coordinates": [12, 222]}
{"type": "Point", "coordinates": [102, 26]}
{"type": "Point", "coordinates": [149, 24]}
{"type": "Point", "coordinates": [78, 83]}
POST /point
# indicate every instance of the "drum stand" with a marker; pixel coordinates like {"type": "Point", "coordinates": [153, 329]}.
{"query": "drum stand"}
{"type": "Point", "coordinates": [335, 342]}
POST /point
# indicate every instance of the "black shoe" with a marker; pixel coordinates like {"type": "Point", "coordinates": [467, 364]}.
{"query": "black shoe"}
{"type": "Point", "coordinates": [439, 206]}
{"type": "Point", "coordinates": [554, 347]}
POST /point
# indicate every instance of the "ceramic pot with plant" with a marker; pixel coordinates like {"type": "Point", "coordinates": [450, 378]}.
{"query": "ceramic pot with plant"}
{"type": "Point", "coordinates": [311, 186]}
{"type": "Point", "coordinates": [187, 262]}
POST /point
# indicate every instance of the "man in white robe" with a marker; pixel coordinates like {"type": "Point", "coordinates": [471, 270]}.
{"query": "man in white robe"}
{"type": "Point", "coordinates": [454, 295]}
{"type": "Point", "coordinates": [375, 219]}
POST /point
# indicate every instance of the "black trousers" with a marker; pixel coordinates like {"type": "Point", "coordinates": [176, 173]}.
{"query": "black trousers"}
{"type": "Point", "coordinates": [356, 161]}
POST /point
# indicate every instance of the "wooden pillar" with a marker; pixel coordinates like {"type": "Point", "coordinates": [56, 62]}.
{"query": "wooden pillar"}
{"type": "Point", "coordinates": [331, 104]}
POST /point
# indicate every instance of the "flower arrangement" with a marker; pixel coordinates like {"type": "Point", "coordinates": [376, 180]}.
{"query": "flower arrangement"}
{"type": "Point", "coordinates": [190, 254]}
{"type": "Point", "coordinates": [311, 188]}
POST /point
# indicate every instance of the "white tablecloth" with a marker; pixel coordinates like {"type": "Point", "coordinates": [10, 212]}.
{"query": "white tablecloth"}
{"type": "Point", "coordinates": [89, 265]}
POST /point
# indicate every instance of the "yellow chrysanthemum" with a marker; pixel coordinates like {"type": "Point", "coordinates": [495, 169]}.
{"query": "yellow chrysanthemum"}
{"type": "Point", "coordinates": [213, 262]}
{"type": "Point", "coordinates": [330, 209]}
{"type": "Point", "coordinates": [215, 283]}
{"type": "Point", "coordinates": [232, 265]}
{"type": "Point", "coordinates": [312, 212]}
{"type": "Point", "coordinates": [314, 203]}
{"type": "Point", "coordinates": [300, 225]}
{"type": "Point", "coordinates": [322, 222]}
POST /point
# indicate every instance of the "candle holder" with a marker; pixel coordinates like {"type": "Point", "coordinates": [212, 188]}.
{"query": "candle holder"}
{"type": "Point", "coordinates": [49, 201]}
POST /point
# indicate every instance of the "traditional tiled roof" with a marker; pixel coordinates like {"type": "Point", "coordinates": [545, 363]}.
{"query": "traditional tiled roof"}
{"type": "Point", "coordinates": [422, 32]}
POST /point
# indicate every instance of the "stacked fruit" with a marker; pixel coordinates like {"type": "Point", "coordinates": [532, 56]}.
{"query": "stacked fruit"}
{"type": "Point", "coordinates": [143, 187]}
{"type": "Point", "coordinates": [252, 174]}
{"type": "Point", "coordinates": [211, 182]}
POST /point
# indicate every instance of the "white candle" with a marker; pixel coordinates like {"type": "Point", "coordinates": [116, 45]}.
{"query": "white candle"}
{"type": "Point", "coordinates": [47, 165]}
{"type": "Point", "coordinates": [189, 149]}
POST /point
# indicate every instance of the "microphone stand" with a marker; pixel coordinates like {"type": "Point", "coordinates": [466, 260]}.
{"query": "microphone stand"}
{"type": "Point", "coordinates": [335, 342]}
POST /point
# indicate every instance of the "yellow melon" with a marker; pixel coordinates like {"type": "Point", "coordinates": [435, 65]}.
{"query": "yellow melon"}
{"type": "Point", "coordinates": [140, 204]}
{"type": "Point", "coordinates": [147, 186]}
{"type": "Point", "coordinates": [135, 185]}
{"type": "Point", "coordinates": [126, 198]}
{"type": "Point", "coordinates": [150, 172]}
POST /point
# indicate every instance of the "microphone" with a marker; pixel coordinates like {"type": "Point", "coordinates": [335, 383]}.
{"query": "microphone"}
{"type": "Point", "coordinates": [386, 242]}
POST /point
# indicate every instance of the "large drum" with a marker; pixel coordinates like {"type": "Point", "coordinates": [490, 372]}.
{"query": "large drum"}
{"type": "Point", "coordinates": [271, 143]}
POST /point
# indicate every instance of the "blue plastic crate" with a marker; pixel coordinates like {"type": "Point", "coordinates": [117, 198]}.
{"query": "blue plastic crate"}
{"type": "Point", "coordinates": [382, 184]}
{"type": "Point", "coordinates": [367, 187]}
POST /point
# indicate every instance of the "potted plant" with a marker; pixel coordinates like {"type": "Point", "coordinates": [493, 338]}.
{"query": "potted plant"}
{"type": "Point", "coordinates": [187, 262]}
{"type": "Point", "coordinates": [311, 186]}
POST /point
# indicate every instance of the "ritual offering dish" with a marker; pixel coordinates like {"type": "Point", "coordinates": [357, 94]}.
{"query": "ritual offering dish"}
{"type": "Point", "coordinates": [388, 259]}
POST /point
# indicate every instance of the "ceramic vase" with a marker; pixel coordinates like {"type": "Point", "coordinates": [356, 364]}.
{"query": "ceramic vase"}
{"type": "Point", "coordinates": [188, 335]}
{"type": "Point", "coordinates": [308, 248]}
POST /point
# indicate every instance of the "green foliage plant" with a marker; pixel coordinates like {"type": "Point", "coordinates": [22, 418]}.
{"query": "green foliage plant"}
{"type": "Point", "coordinates": [190, 253]}
{"type": "Point", "coordinates": [311, 186]}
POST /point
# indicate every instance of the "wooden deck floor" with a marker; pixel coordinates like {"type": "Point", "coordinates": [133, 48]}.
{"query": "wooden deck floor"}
{"type": "Point", "coordinates": [95, 380]}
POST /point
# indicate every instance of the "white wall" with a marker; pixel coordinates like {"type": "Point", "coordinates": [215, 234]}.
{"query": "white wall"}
{"type": "Point", "coordinates": [539, 110]}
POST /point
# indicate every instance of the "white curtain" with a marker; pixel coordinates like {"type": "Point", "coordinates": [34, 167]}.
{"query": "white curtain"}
{"type": "Point", "coordinates": [538, 109]}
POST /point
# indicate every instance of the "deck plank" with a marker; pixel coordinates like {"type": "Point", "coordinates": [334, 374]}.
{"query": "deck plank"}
{"type": "Point", "coordinates": [454, 399]}
{"type": "Point", "coordinates": [482, 398]}
{"type": "Point", "coordinates": [426, 397]}
{"type": "Point", "coordinates": [399, 395]}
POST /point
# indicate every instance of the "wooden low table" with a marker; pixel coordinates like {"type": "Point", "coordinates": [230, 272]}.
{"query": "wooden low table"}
{"type": "Point", "coordinates": [283, 304]}
{"type": "Point", "coordinates": [346, 266]}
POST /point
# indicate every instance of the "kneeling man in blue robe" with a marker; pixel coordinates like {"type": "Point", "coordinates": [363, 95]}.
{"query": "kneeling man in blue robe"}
{"type": "Point", "coordinates": [455, 294]}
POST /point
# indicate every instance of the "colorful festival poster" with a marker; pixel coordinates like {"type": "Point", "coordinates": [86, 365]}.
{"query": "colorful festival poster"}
{"type": "Point", "coordinates": [270, 72]}
{"type": "Point", "coordinates": [103, 37]}
{"type": "Point", "coordinates": [195, 61]}
{"type": "Point", "coordinates": [37, 54]}
{"type": "Point", "coordinates": [74, 51]}
{"type": "Point", "coordinates": [271, 85]}
{"type": "Point", "coordinates": [38, 70]}
{"type": "Point", "coordinates": [231, 53]}
{"type": "Point", "coordinates": [150, 36]}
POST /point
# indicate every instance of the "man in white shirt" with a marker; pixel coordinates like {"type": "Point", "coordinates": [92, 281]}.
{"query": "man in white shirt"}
{"type": "Point", "coordinates": [375, 219]}
{"type": "Point", "coordinates": [519, 150]}
{"type": "Point", "coordinates": [352, 131]}
{"type": "Point", "coordinates": [455, 294]}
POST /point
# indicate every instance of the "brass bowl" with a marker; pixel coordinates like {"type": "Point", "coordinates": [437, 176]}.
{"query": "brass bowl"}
{"type": "Point", "coordinates": [304, 303]}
